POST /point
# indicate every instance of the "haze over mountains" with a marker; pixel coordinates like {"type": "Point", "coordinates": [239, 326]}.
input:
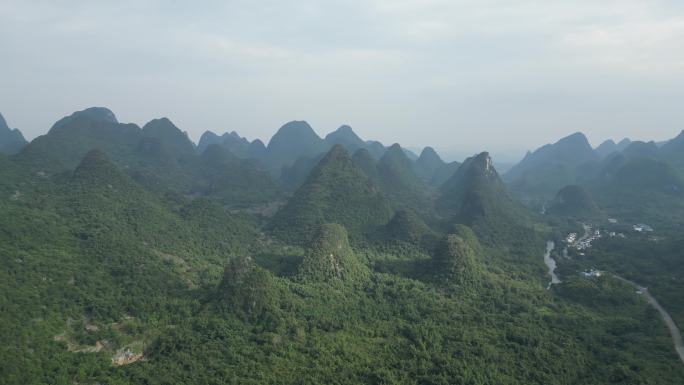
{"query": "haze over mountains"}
{"type": "Point", "coordinates": [131, 254]}
{"type": "Point", "coordinates": [295, 149]}
{"type": "Point", "coordinates": [342, 192]}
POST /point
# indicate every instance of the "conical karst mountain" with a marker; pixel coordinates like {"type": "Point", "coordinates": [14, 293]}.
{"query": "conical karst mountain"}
{"type": "Point", "coordinates": [443, 174]}
{"type": "Point", "coordinates": [108, 205]}
{"type": "Point", "coordinates": [639, 175]}
{"type": "Point", "coordinates": [169, 136]}
{"type": "Point", "coordinates": [336, 191]}
{"type": "Point", "coordinates": [208, 138]}
{"type": "Point", "coordinates": [346, 137]}
{"type": "Point", "coordinates": [673, 151]}
{"type": "Point", "coordinates": [216, 156]}
{"type": "Point", "coordinates": [247, 289]}
{"type": "Point", "coordinates": [395, 170]}
{"type": "Point", "coordinates": [293, 140]}
{"type": "Point", "coordinates": [406, 226]}
{"type": "Point", "coordinates": [231, 180]}
{"type": "Point", "coordinates": [573, 201]}
{"type": "Point", "coordinates": [106, 201]}
{"type": "Point", "coordinates": [292, 177]}
{"type": "Point", "coordinates": [376, 148]}
{"type": "Point", "coordinates": [673, 145]}
{"type": "Point", "coordinates": [428, 163]}
{"type": "Point", "coordinates": [11, 140]}
{"type": "Point", "coordinates": [256, 149]}
{"type": "Point", "coordinates": [329, 257]}
{"type": "Point", "coordinates": [623, 144]}
{"type": "Point", "coordinates": [455, 259]}
{"type": "Point", "coordinates": [544, 171]}
{"type": "Point", "coordinates": [162, 157]}
{"type": "Point", "coordinates": [609, 147]}
{"type": "Point", "coordinates": [606, 148]}
{"type": "Point", "coordinates": [397, 178]}
{"type": "Point", "coordinates": [96, 169]}
{"type": "Point", "coordinates": [69, 139]}
{"type": "Point", "coordinates": [236, 144]}
{"type": "Point", "coordinates": [639, 188]}
{"type": "Point", "coordinates": [363, 159]}
{"type": "Point", "coordinates": [96, 114]}
{"type": "Point", "coordinates": [639, 149]}
{"type": "Point", "coordinates": [476, 173]}
{"type": "Point", "coordinates": [477, 197]}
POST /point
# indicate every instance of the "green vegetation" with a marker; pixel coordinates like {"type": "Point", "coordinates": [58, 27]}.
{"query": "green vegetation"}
{"type": "Point", "coordinates": [407, 226]}
{"type": "Point", "coordinates": [573, 201]}
{"type": "Point", "coordinates": [455, 261]}
{"type": "Point", "coordinates": [398, 180]}
{"type": "Point", "coordinates": [476, 197]}
{"type": "Point", "coordinates": [127, 257]}
{"type": "Point", "coordinates": [428, 163]}
{"type": "Point", "coordinates": [336, 191]}
{"type": "Point", "coordinates": [330, 258]}
{"type": "Point", "coordinates": [651, 262]}
{"type": "Point", "coordinates": [549, 168]}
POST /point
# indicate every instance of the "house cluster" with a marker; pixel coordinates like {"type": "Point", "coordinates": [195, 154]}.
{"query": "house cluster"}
{"type": "Point", "coordinates": [585, 241]}
{"type": "Point", "coordinates": [571, 238]}
{"type": "Point", "coordinates": [642, 228]}
{"type": "Point", "coordinates": [593, 273]}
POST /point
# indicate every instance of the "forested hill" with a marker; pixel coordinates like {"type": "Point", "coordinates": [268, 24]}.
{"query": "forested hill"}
{"type": "Point", "coordinates": [131, 255]}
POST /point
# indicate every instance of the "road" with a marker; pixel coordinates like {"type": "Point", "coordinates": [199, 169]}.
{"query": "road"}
{"type": "Point", "coordinates": [674, 331]}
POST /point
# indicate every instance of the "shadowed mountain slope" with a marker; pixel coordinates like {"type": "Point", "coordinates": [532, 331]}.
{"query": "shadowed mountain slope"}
{"type": "Point", "coordinates": [11, 140]}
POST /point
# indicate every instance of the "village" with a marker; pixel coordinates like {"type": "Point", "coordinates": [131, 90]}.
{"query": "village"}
{"type": "Point", "coordinates": [591, 234]}
{"type": "Point", "coordinates": [585, 241]}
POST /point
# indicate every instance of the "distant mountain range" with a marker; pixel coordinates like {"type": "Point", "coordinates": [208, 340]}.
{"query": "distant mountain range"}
{"type": "Point", "coordinates": [160, 155]}
{"type": "Point", "coordinates": [543, 172]}
{"type": "Point", "coordinates": [552, 166]}
{"type": "Point", "coordinates": [324, 260]}
{"type": "Point", "coordinates": [636, 179]}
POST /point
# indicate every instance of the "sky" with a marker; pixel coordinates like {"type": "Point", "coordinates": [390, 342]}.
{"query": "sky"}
{"type": "Point", "coordinates": [460, 75]}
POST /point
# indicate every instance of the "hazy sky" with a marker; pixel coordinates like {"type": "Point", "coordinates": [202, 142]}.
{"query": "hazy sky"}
{"type": "Point", "coordinates": [461, 75]}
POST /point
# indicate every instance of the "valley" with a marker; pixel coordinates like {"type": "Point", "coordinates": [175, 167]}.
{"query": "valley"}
{"type": "Point", "coordinates": [583, 243]}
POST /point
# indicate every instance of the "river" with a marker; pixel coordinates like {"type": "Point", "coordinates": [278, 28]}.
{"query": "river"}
{"type": "Point", "coordinates": [551, 264]}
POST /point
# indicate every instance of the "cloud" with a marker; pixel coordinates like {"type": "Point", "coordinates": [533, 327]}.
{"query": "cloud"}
{"type": "Point", "coordinates": [643, 45]}
{"type": "Point", "coordinates": [465, 73]}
